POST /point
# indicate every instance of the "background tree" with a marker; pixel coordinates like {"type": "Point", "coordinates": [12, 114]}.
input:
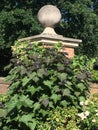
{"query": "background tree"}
{"type": "Point", "coordinates": [18, 19]}
{"type": "Point", "coordinates": [80, 21]}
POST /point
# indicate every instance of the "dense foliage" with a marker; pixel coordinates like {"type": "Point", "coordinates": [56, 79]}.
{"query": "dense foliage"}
{"type": "Point", "coordinates": [81, 22]}
{"type": "Point", "coordinates": [18, 19]}
{"type": "Point", "coordinates": [41, 80]}
{"type": "Point", "coordinates": [72, 119]}
{"type": "Point", "coordinates": [68, 118]}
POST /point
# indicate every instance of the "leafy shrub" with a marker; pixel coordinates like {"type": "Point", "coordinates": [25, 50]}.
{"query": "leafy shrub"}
{"type": "Point", "coordinates": [95, 95]}
{"type": "Point", "coordinates": [95, 76]}
{"type": "Point", "coordinates": [3, 98]}
{"type": "Point", "coordinates": [89, 114]}
{"type": "Point", "coordinates": [95, 70]}
{"type": "Point", "coordinates": [42, 79]}
{"type": "Point", "coordinates": [90, 64]}
{"type": "Point", "coordinates": [82, 62]}
{"type": "Point", "coordinates": [61, 119]}
{"type": "Point", "coordinates": [73, 119]}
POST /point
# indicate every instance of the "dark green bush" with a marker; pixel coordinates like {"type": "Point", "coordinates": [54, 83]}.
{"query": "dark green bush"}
{"type": "Point", "coordinates": [41, 80]}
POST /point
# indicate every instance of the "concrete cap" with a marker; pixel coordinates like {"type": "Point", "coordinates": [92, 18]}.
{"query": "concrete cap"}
{"type": "Point", "coordinates": [49, 16]}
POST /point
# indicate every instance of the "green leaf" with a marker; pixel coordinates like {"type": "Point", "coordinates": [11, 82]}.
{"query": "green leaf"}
{"type": "Point", "coordinates": [60, 66]}
{"type": "Point", "coordinates": [23, 70]}
{"type": "Point", "coordinates": [36, 106]}
{"type": "Point", "coordinates": [64, 103]}
{"type": "Point", "coordinates": [62, 76]}
{"type": "Point", "coordinates": [36, 79]}
{"type": "Point", "coordinates": [41, 72]}
{"type": "Point", "coordinates": [69, 83]}
{"type": "Point", "coordinates": [25, 101]}
{"type": "Point", "coordinates": [33, 90]}
{"type": "Point", "coordinates": [77, 93]}
{"type": "Point", "coordinates": [56, 89]}
{"type": "Point", "coordinates": [3, 113]}
{"type": "Point", "coordinates": [25, 81]}
{"type": "Point", "coordinates": [26, 119]}
{"type": "Point", "coordinates": [81, 86]}
{"type": "Point", "coordinates": [56, 97]}
{"type": "Point", "coordinates": [15, 84]}
{"type": "Point", "coordinates": [43, 112]}
{"type": "Point", "coordinates": [81, 98]}
{"type": "Point", "coordinates": [13, 103]}
{"type": "Point", "coordinates": [51, 104]}
{"type": "Point", "coordinates": [32, 125]}
{"type": "Point", "coordinates": [66, 92]}
{"type": "Point", "coordinates": [48, 60]}
{"type": "Point", "coordinates": [48, 83]}
{"type": "Point", "coordinates": [33, 76]}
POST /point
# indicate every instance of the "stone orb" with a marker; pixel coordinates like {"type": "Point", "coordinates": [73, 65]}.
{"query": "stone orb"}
{"type": "Point", "coordinates": [49, 16]}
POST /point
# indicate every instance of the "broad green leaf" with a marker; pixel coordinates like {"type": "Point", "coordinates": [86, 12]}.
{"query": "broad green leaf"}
{"type": "Point", "coordinates": [81, 86]}
{"type": "Point", "coordinates": [33, 89]}
{"type": "Point", "coordinates": [62, 76]}
{"type": "Point", "coordinates": [43, 112]}
{"type": "Point", "coordinates": [56, 97]}
{"type": "Point", "coordinates": [32, 125]}
{"type": "Point", "coordinates": [77, 93]}
{"type": "Point", "coordinates": [48, 60]}
{"type": "Point", "coordinates": [15, 84]}
{"type": "Point", "coordinates": [36, 106]}
{"type": "Point", "coordinates": [26, 119]}
{"type": "Point", "coordinates": [51, 104]}
{"type": "Point", "coordinates": [13, 103]}
{"type": "Point", "coordinates": [64, 103]}
{"type": "Point", "coordinates": [69, 83]}
{"type": "Point", "coordinates": [60, 66]}
{"type": "Point", "coordinates": [41, 72]}
{"type": "Point", "coordinates": [25, 101]}
{"type": "Point", "coordinates": [56, 89]}
{"type": "Point", "coordinates": [3, 112]}
{"type": "Point", "coordinates": [23, 70]}
{"type": "Point", "coordinates": [81, 98]}
{"type": "Point", "coordinates": [32, 75]}
{"type": "Point", "coordinates": [66, 92]}
{"type": "Point", "coordinates": [48, 83]}
{"type": "Point", "coordinates": [25, 80]}
{"type": "Point", "coordinates": [35, 79]}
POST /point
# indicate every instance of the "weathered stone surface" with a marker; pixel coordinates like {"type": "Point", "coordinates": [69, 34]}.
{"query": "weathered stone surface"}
{"type": "Point", "coordinates": [49, 16]}
{"type": "Point", "coordinates": [50, 39]}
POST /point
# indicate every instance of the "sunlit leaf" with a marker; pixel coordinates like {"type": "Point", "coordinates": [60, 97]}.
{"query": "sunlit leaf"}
{"type": "Point", "coordinates": [56, 97]}
{"type": "Point", "coordinates": [66, 92]}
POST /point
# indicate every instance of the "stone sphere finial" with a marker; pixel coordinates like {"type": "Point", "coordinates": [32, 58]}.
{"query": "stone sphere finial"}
{"type": "Point", "coordinates": [49, 16]}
